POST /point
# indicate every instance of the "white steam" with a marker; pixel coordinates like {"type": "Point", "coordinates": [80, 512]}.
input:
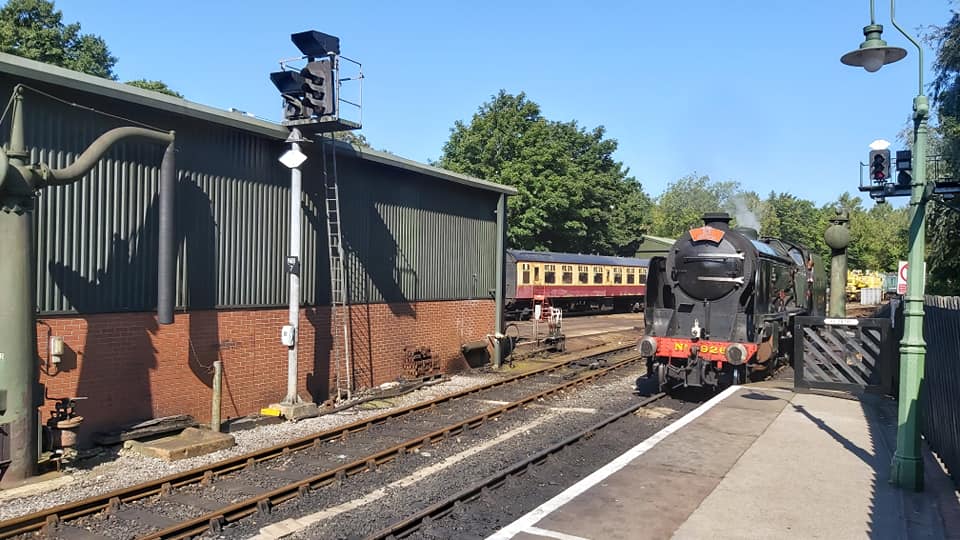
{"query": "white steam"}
{"type": "Point", "coordinates": [742, 213]}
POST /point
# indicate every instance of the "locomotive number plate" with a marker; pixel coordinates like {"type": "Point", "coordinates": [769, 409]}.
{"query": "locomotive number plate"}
{"type": "Point", "coordinates": [704, 349]}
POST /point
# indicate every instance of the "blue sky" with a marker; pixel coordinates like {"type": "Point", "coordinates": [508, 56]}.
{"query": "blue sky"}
{"type": "Point", "coordinates": [751, 91]}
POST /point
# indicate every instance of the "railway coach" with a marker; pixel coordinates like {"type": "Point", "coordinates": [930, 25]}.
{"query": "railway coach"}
{"type": "Point", "coordinates": [573, 282]}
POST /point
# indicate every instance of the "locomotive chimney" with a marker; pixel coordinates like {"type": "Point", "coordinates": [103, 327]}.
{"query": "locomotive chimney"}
{"type": "Point", "coordinates": [717, 220]}
{"type": "Point", "coordinates": [748, 232]}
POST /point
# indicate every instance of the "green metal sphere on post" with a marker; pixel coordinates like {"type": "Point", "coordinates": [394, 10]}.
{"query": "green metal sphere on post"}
{"type": "Point", "coordinates": [837, 237]}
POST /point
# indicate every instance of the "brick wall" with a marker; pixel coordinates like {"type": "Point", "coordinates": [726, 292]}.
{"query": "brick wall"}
{"type": "Point", "coordinates": [130, 368]}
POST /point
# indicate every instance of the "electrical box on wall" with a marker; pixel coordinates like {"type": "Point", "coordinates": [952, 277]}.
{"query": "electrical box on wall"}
{"type": "Point", "coordinates": [288, 335]}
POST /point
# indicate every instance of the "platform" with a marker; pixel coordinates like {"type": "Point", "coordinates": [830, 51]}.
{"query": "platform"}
{"type": "Point", "coordinates": [755, 462]}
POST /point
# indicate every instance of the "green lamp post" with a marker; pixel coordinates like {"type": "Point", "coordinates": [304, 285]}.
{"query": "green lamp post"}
{"type": "Point", "coordinates": [907, 467]}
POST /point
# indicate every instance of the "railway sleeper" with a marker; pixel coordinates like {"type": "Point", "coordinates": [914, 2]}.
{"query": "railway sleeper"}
{"type": "Point", "coordinates": [216, 525]}
{"type": "Point", "coordinates": [263, 507]}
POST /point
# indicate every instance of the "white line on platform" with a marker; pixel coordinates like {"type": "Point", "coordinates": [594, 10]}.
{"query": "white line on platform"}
{"type": "Point", "coordinates": [525, 523]}
{"type": "Point", "coordinates": [290, 526]}
{"type": "Point", "coordinates": [553, 534]}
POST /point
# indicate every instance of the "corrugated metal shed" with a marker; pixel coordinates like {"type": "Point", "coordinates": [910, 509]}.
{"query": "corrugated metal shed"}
{"type": "Point", "coordinates": [654, 246]}
{"type": "Point", "coordinates": [411, 231]}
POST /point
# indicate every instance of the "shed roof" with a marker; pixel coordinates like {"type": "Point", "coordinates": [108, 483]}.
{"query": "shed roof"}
{"type": "Point", "coordinates": [659, 239]}
{"type": "Point", "coordinates": [575, 258]}
{"type": "Point", "coordinates": [54, 75]}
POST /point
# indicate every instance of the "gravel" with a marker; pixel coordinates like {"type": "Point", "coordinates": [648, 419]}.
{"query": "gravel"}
{"type": "Point", "coordinates": [127, 468]}
{"type": "Point", "coordinates": [607, 395]}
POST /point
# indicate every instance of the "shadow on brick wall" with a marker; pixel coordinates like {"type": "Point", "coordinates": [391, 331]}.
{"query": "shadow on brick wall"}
{"type": "Point", "coordinates": [118, 352]}
{"type": "Point", "coordinates": [114, 369]}
{"type": "Point", "coordinates": [199, 233]}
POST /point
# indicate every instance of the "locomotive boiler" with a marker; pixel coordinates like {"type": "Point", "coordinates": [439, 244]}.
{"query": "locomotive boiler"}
{"type": "Point", "coordinates": [720, 305]}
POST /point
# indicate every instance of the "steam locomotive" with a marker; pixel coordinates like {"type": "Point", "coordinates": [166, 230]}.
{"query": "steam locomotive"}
{"type": "Point", "coordinates": [720, 305]}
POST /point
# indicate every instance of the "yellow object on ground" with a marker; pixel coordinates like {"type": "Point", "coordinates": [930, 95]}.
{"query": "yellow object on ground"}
{"type": "Point", "coordinates": [267, 411]}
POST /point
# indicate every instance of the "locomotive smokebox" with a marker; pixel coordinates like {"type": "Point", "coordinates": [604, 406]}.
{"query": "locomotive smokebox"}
{"type": "Point", "coordinates": [748, 232]}
{"type": "Point", "coordinates": [717, 220]}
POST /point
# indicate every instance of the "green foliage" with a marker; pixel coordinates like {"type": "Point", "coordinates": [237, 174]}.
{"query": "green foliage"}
{"type": "Point", "coordinates": [35, 29]}
{"type": "Point", "coordinates": [943, 224]}
{"type": "Point", "coordinates": [156, 86]}
{"type": "Point", "coordinates": [353, 137]}
{"type": "Point", "coordinates": [796, 219]}
{"type": "Point", "coordinates": [682, 205]}
{"type": "Point", "coordinates": [572, 195]}
{"type": "Point", "coordinates": [943, 255]}
{"type": "Point", "coordinates": [878, 236]}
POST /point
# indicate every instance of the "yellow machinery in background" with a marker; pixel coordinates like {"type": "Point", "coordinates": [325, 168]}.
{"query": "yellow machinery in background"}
{"type": "Point", "coordinates": [863, 279]}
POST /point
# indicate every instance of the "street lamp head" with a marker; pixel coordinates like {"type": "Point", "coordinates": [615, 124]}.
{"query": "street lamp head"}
{"type": "Point", "coordinates": [874, 52]}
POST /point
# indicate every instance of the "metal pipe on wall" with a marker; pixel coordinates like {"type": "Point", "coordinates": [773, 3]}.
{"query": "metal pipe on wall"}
{"type": "Point", "coordinates": [20, 182]}
{"type": "Point", "coordinates": [167, 250]}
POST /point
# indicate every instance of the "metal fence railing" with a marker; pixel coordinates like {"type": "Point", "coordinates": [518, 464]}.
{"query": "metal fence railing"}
{"type": "Point", "coordinates": [940, 414]}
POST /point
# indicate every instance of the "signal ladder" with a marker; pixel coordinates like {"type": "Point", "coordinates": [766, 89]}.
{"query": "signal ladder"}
{"type": "Point", "coordinates": [339, 314]}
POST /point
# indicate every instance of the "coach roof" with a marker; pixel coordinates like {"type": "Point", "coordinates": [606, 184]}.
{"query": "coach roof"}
{"type": "Point", "coordinates": [574, 258]}
{"type": "Point", "coordinates": [54, 75]}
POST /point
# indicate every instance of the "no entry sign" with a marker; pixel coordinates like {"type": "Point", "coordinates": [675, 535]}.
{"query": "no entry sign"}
{"type": "Point", "coordinates": [902, 277]}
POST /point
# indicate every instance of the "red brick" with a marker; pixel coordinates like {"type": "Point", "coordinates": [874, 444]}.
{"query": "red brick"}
{"type": "Point", "coordinates": [131, 369]}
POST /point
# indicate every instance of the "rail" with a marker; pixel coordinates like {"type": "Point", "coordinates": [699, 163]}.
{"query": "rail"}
{"type": "Point", "coordinates": [52, 516]}
{"type": "Point", "coordinates": [412, 524]}
{"type": "Point", "coordinates": [214, 521]}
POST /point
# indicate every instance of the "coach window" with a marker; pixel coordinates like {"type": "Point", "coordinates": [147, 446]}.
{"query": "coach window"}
{"type": "Point", "coordinates": [526, 274]}
{"type": "Point", "coordinates": [549, 273]}
{"type": "Point", "coordinates": [567, 274]}
{"type": "Point", "coordinates": [583, 275]}
{"type": "Point", "coordinates": [631, 276]}
{"type": "Point", "coordinates": [642, 272]}
{"type": "Point", "coordinates": [536, 274]}
{"type": "Point", "coordinates": [597, 275]}
{"type": "Point", "coordinates": [618, 275]}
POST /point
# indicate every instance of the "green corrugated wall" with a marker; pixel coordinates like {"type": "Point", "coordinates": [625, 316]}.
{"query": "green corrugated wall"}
{"type": "Point", "coordinates": [408, 236]}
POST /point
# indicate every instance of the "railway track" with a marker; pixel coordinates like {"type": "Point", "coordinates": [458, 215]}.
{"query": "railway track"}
{"type": "Point", "coordinates": [413, 524]}
{"type": "Point", "coordinates": [122, 504]}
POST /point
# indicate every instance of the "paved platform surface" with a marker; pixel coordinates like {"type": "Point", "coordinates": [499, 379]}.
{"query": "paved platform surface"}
{"type": "Point", "coordinates": [755, 463]}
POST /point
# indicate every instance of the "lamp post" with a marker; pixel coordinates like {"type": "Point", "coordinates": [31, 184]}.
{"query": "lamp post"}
{"type": "Point", "coordinates": [907, 467]}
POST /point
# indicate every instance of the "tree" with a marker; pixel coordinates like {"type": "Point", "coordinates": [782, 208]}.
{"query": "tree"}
{"type": "Point", "coordinates": [797, 220]}
{"type": "Point", "coordinates": [353, 137]}
{"type": "Point", "coordinates": [943, 225]}
{"type": "Point", "coordinates": [35, 29]}
{"type": "Point", "coordinates": [572, 195]}
{"type": "Point", "coordinates": [683, 203]}
{"type": "Point", "coordinates": [156, 86]}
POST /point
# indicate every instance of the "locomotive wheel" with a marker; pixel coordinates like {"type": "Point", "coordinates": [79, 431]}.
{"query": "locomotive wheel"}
{"type": "Point", "coordinates": [662, 375]}
{"type": "Point", "coordinates": [737, 377]}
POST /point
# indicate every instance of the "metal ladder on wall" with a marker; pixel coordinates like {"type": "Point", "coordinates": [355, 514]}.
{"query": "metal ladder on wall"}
{"type": "Point", "coordinates": [339, 314]}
